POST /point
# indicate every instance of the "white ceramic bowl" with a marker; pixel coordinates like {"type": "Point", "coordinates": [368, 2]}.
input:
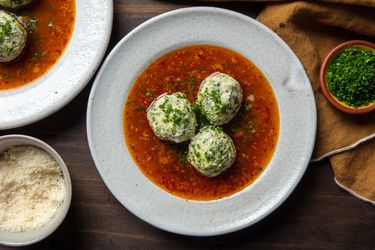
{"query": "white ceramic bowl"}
{"type": "Point", "coordinates": [49, 93]}
{"type": "Point", "coordinates": [167, 32]}
{"type": "Point", "coordinates": [30, 237]}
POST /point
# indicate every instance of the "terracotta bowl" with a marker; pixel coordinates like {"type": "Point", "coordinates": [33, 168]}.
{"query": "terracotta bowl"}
{"type": "Point", "coordinates": [323, 84]}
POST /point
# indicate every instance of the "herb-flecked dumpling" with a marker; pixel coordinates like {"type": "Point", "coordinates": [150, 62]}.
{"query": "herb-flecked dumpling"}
{"type": "Point", "coordinates": [14, 4]}
{"type": "Point", "coordinates": [219, 98]}
{"type": "Point", "coordinates": [13, 37]}
{"type": "Point", "coordinates": [211, 151]}
{"type": "Point", "coordinates": [171, 117]}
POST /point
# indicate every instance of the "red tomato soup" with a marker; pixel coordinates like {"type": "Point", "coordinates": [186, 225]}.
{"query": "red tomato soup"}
{"type": "Point", "coordinates": [254, 130]}
{"type": "Point", "coordinates": [50, 25]}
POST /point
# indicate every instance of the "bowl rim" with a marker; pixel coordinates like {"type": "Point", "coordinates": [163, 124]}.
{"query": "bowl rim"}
{"type": "Point", "coordinates": [322, 77]}
{"type": "Point", "coordinates": [62, 211]}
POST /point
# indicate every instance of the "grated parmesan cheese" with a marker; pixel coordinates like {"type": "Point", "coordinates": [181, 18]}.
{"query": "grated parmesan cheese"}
{"type": "Point", "coordinates": [31, 188]}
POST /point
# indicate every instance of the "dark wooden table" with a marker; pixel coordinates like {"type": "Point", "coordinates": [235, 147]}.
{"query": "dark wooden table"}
{"type": "Point", "coordinates": [318, 215]}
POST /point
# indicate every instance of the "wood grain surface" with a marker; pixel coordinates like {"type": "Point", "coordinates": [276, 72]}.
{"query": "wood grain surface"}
{"type": "Point", "coordinates": [318, 215]}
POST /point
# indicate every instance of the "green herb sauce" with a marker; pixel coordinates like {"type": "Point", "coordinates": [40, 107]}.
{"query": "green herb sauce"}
{"type": "Point", "coordinates": [351, 77]}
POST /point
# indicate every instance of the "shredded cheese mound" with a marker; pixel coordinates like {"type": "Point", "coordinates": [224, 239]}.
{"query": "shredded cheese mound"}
{"type": "Point", "coordinates": [31, 188]}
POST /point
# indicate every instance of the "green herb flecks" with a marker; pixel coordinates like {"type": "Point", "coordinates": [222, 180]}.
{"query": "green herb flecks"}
{"type": "Point", "coordinates": [31, 24]}
{"type": "Point", "coordinates": [182, 160]}
{"type": "Point", "coordinates": [140, 108]}
{"type": "Point", "coordinates": [181, 151]}
{"type": "Point", "coordinates": [171, 114]}
{"type": "Point", "coordinates": [215, 96]}
{"type": "Point", "coordinates": [351, 77]}
{"type": "Point", "coordinates": [188, 85]}
{"type": "Point", "coordinates": [173, 86]}
{"type": "Point", "coordinates": [193, 81]}
{"type": "Point", "coordinates": [201, 118]}
{"type": "Point", "coordinates": [148, 93]}
{"type": "Point", "coordinates": [5, 30]}
{"type": "Point", "coordinates": [5, 76]}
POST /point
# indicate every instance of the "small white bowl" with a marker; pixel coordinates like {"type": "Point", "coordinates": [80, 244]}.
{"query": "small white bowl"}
{"type": "Point", "coordinates": [31, 237]}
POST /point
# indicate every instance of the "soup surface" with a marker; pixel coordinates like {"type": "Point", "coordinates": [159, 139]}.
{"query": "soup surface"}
{"type": "Point", "coordinates": [254, 130]}
{"type": "Point", "coordinates": [50, 25]}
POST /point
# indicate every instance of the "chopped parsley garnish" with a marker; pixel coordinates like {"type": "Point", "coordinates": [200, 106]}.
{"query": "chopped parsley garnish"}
{"type": "Point", "coordinates": [7, 50]}
{"type": "Point", "coordinates": [148, 94]}
{"type": "Point", "coordinates": [351, 77]}
{"type": "Point", "coordinates": [215, 96]}
{"type": "Point", "coordinates": [189, 85]}
{"type": "Point", "coordinates": [139, 108]}
{"type": "Point", "coordinates": [193, 81]}
{"type": "Point", "coordinates": [174, 115]}
{"type": "Point", "coordinates": [31, 24]}
{"type": "Point", "coordinates": [5, 30]}
{"type": "Point", "coordinates": [201, 118]}
{"type": "Point", "coordinates": [182, 159]}
{"type": "Point", "coordinates": [173, 86]}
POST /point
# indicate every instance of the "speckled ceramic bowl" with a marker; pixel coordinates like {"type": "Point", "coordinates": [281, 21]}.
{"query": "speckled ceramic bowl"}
{"type": "Point", "coordinates": [323, 79]}
{"type": "Point", "coordinates": [31, 237]}
{"type": "Point", "coordinates": [49, 93]}
{"type": "Point", "coordinates": [167, 32]}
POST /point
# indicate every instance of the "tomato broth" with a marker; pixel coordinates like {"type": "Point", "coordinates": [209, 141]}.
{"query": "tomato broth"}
{"type": "Point", "coordinates": [254, 130]}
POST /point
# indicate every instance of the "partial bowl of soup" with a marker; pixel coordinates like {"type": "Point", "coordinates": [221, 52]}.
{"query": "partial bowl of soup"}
{"type": "Point", "coordinates": [49, 26]}
{"type": "Point", "coordinates": [49, 50]}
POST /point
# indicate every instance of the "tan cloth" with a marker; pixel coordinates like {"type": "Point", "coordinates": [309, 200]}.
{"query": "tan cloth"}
{"type": "Point", "coordinates": [311, 29]}
{"type": "Point", "coordinates": [355, 170]}
{"type": "Point", "coordinates": [351, 2]}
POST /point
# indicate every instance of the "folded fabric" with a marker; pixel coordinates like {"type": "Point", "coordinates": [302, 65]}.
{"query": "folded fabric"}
{"type": "Point", "coordinates": [311, 30]}
{"type": "Point", "coordinates": [355, 171]}
{"type": "Point", "coordinates": [351, 2]}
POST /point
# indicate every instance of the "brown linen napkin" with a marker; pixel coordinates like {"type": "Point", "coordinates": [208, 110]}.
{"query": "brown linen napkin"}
{"type": "Point", "coordinates": [355, 171]}
{"type": "Point", "coordinates": [311, 30]}
{"type": "Point", "coordinates": [367, 3]}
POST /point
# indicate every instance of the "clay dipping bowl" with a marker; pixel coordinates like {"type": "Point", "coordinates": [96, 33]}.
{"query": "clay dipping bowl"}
{"type": "Point", "coordinates": [323, 79]}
